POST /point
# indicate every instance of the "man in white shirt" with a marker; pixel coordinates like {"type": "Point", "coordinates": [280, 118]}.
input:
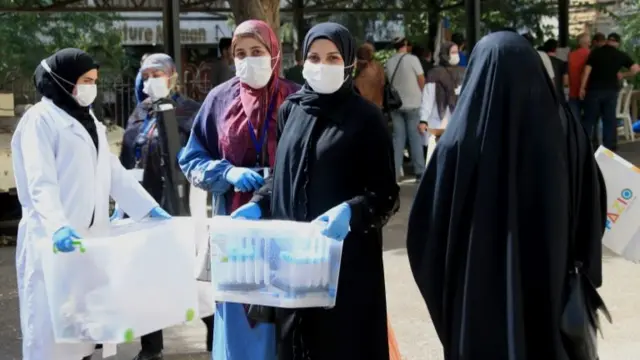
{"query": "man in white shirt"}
{"type": "Point", "coordinates": [406, 75]}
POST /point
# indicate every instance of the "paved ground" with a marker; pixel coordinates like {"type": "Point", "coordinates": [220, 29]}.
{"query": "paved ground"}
{"type": "Point", "coordinates": [408, 313]}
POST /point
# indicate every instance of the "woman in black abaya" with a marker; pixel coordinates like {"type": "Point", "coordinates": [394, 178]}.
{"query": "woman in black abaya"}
{"type": "Point", "coordinates": [512, 180]}
{"type": "Point", "coordinates": [334, 164]}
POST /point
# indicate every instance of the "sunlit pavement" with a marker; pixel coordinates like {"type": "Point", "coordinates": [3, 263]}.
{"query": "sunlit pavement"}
{"type": "Point", "coordinates": [409, 316]}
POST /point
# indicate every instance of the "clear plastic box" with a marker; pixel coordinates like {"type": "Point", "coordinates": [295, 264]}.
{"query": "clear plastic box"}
{"type": "Point", "coordinates": [274, 263]}
{"type": "Point", "coordinates": [131, 280]}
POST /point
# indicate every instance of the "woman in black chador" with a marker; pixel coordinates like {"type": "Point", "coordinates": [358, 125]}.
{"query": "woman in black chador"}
{"type": "Point", "coordinates": [512, 183]}
{"type": "Point", "coordinates": [334, 165]}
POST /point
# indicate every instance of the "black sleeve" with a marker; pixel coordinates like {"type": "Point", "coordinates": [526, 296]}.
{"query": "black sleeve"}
{"type": "Point", "coordinates": [262, 197]}
{"type": "Point", "coordinates": [590, 232]}
{"type": "Point", "coordinates": [127, 153]}
{"type": "Point", "coordinates": [381, 198]}
{"type": "Point", "coordinates": [625, 60]}
{"type": "Point", "coordinates": [592, 56]}
{"type": "Point", "coordinates": [565, 68]}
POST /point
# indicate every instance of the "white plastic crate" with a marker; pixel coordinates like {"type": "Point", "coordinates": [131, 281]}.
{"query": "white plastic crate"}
{"type": "Point", "coordinates": [274, 263]}
{"type": "Point", "coordinates": [135, 279]}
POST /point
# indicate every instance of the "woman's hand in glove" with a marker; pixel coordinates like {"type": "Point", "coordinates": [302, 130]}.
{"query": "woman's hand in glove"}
{"type": "Point", "coordinates": [250, 211]}
{"type": "Point", "coordinates": [336, 222]}
{"type": "Point", "coordinates": [244, 179]}
{"type": "Point", "coordinates": [65, 239]}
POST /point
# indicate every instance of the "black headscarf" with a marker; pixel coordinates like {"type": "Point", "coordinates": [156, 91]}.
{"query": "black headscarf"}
{"type": "Point", "coordinates": [67, 65]}
{"type": "Point", "coordinates": [511, 182]}
{"type": "Point", "coordinates": [331, 105]}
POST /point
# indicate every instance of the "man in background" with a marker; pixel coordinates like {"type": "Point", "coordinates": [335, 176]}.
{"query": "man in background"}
{"type": "Point", "coordinates": [405, 74]}
{"type": "Point", "coordinates": [577, 61]}
{"type": "Point", "coordinates": [425, 56]}
{"type": "Point", "coordinates": [223, 68]}
{"type": "Point", "coordinates": [600, 87]}
{"type": "Point", "coordinates": [294, 73]}
{"type": "Point", "coordinates": [559, 67]}
{"type": "Point", "coordinates": [598, 40]}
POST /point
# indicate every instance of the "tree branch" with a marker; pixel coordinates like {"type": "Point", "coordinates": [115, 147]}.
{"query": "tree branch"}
{"type": "Point", "coordinates": [451, 6]}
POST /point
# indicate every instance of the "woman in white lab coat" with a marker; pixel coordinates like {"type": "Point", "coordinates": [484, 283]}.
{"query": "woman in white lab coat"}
{"type": "Point", "coordinates": [65, 174]}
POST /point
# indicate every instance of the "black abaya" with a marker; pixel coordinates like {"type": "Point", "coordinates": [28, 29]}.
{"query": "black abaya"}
{"type": "Point", "coordinates": [511, 181]}
{"type": "Point", "coordinates": [334, 149]}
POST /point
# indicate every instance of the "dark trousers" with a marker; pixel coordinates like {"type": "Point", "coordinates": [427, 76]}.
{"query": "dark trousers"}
{"type": "Point", "coordinates": [153, 343]}
{"type": "Point", "coordinates": [602, 104]}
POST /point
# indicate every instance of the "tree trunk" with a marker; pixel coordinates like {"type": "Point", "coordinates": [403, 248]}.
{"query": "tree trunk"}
{"type": "Point", "coordinates": [266, 10]}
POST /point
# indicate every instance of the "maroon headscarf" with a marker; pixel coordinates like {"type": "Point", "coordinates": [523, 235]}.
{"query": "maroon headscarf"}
{"type": "Point", "coordinates": [252, 104]}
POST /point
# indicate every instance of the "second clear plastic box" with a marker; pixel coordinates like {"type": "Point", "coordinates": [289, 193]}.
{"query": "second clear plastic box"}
{"type": "Point", "coordinates": [274, 263]}
{"type": "Point", "coordinates": [121, 283]}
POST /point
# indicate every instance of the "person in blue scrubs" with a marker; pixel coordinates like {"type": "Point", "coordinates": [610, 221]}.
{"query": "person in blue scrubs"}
{"type": "Point", "coordinates": [232, 141]}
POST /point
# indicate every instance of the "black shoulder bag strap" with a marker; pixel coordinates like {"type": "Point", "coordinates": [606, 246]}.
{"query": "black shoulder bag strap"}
{"type": "Point", "coordinates": [395, 71]}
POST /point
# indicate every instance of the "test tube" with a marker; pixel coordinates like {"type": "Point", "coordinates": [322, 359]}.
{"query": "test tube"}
{"type": "Point", "coordinates": [232, 266]}
{"type": "Point", "coordinates": [319, 257]}
{"type": "Point", "coordinates": [250, 266]}
{"type": "Point", "coordinates": [266, 253]}
{"type": "Point", "coordinates": [258, 266]}
{"type": "Point", "coordinates": [326, 263]}
{"type": "Point", "coordinates": [314, 281]}
{"type": "Point", "coordinates": [296, 271]}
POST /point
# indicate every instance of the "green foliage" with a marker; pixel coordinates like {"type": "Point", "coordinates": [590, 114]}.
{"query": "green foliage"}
{"type": "Point", "coordinates": [27, 38]}
{"type": "Point", "coordinates": [517, 14]}
{"type": "Point", "coordinates": [629, 23]}
{"type": "Point", "coordinates": [383, 55]}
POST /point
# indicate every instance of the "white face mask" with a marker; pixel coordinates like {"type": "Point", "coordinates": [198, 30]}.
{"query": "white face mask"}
{"type": "Point", "coordinates": [254, 71]}
{"type": "Point", "coordinates": [323, 78]}
{"type": "Point", "coordinates": [156, 88]}
{"type": "Point", "coordinates": [86, 94]}
{"type": "Point", "coordinates": [454, 59]}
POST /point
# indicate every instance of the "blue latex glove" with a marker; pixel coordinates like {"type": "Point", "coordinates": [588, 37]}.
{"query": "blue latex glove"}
{"type": "Point", "coordinates": [336, 221]}
{"type": "Point", "coordinates": [249, 211]}
{"type": "Point", "coordinates": [244, 179]}
{"type": "Point", "coordinates": [117, 214]}
{"type": "Point", "coordinates": [636, 127]}
{"type": "Point", "coordinates": [159, 213]}
{"type": "Point", "coordinates": [64, 238]}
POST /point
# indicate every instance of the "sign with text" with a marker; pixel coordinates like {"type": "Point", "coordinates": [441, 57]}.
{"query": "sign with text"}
{"type": "Point", "coordinates": [150, 32]}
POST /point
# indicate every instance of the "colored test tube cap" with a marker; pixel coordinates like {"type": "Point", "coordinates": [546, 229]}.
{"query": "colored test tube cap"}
{"type": "Point", "coordinates": [129, 336]}
{"type": "Point", "coordinates": [191, 314]}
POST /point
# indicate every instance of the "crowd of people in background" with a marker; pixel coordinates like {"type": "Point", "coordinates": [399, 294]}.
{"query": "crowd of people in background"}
{"type": "Point", "coordinates": [593, 102]}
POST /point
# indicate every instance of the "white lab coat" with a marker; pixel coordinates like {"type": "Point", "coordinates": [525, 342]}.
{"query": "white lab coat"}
{"type": "Point", "coordinates": [61, 179]}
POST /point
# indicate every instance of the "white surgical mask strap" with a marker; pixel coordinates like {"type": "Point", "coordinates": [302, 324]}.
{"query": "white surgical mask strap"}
{"type": "Point", "coordinates": [47, 68]}
{"type": "Point", "coordinates": [54, 75]}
